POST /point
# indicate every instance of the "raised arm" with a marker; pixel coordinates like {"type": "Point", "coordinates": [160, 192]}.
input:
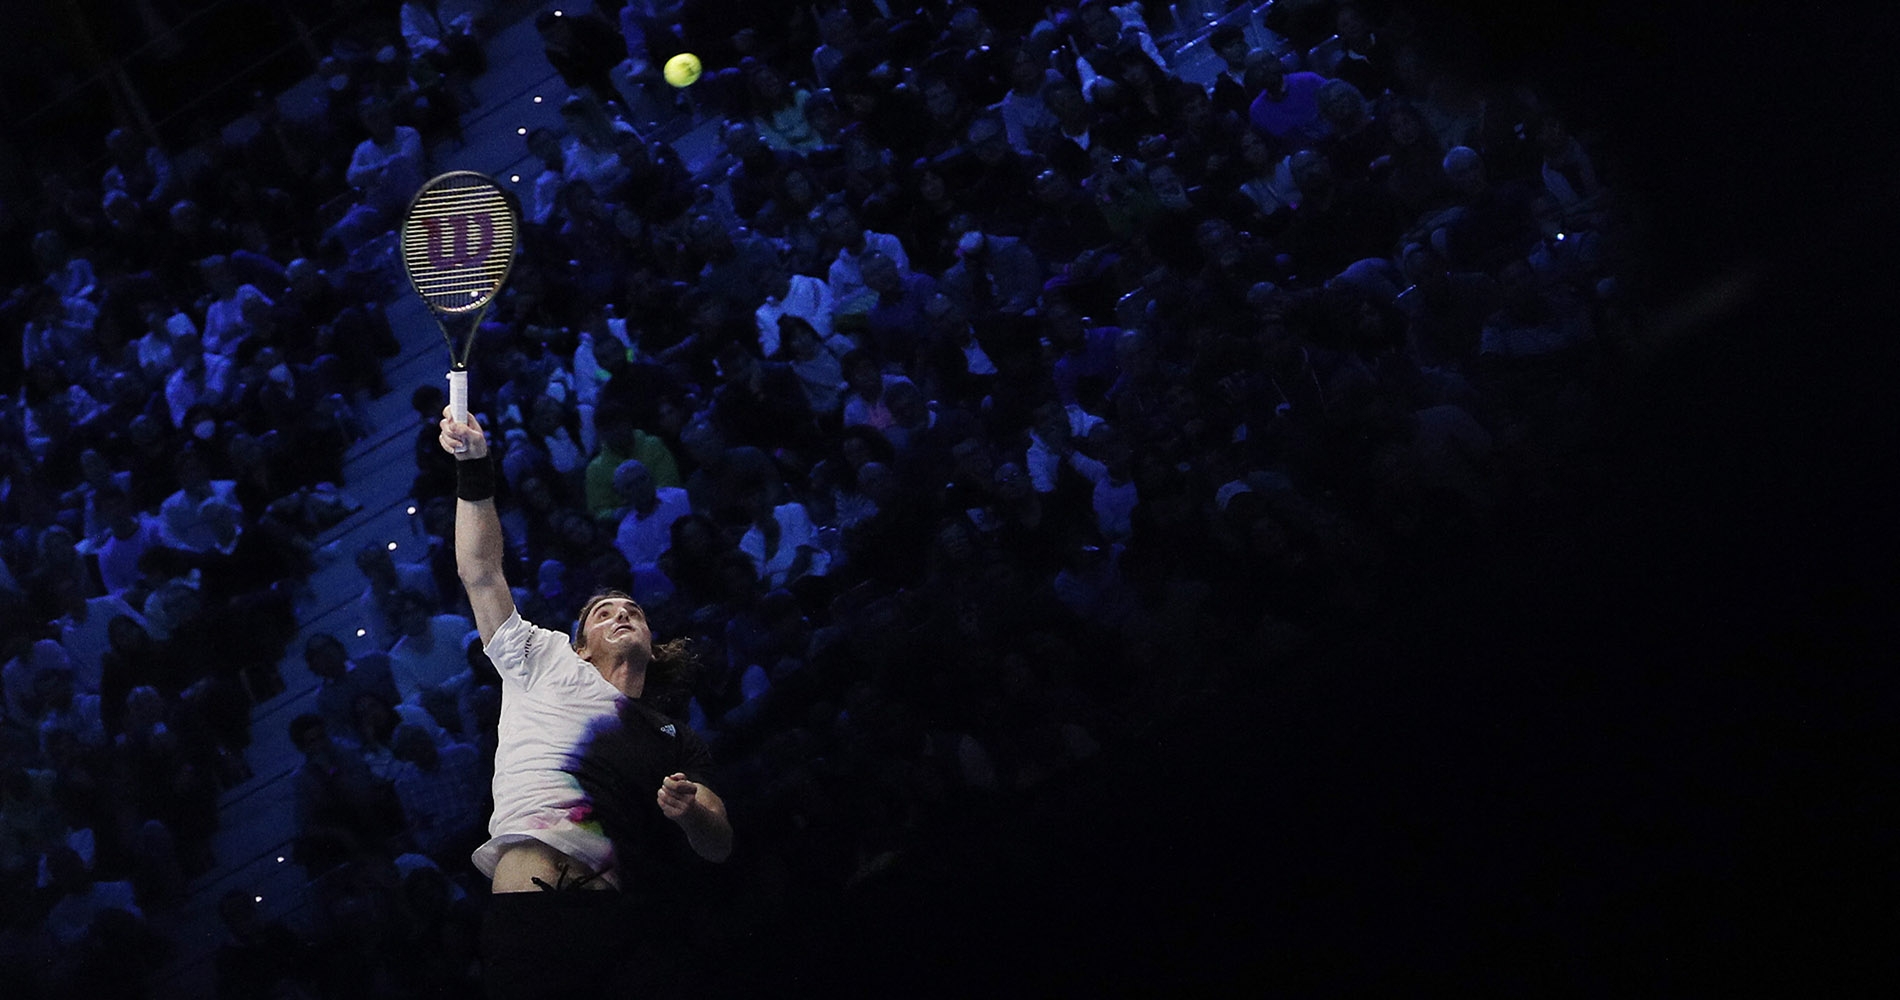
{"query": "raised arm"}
{"type": "Point", "coordinates": [478, 538]}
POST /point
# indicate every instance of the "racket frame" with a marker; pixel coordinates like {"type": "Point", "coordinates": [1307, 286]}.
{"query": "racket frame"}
{"type": "Point", "coordinates": [458, 357]}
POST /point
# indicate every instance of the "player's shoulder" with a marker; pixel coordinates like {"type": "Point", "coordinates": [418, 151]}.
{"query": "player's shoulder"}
{"type": "Point", "coordinates": [535, 640]}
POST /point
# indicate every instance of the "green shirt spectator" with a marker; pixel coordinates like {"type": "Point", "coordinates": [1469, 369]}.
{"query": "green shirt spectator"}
{"type": "Point", "coordinates": [619, 441]}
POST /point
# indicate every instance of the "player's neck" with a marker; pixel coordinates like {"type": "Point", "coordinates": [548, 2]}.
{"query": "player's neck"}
{"type": "Point", "coordinates": [627, 674]}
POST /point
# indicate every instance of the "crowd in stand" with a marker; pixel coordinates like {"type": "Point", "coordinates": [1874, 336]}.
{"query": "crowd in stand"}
{"type": "Point", "coordinates": [995, 391]}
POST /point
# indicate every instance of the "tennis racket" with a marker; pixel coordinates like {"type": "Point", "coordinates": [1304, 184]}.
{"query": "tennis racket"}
{"type": "Point", "coordinates": [458, 242]}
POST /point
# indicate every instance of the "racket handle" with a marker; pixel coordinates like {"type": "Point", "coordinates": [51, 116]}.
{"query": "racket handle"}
{"type": "Point", "coordinates": [458, 399]}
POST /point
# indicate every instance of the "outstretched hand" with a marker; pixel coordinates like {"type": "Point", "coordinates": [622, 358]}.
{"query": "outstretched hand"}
{"type": "Point", "coordinates": [677, 796]}
{"type": "Point", "coordinates": [472, 441]}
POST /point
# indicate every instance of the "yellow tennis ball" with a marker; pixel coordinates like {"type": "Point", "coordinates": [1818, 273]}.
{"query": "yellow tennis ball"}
{"type": "Point", "coordinates": [682, 69]}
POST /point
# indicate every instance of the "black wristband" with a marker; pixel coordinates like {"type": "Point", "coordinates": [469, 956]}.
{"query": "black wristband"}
{"type": "Point", "coordinates": [475, 479]}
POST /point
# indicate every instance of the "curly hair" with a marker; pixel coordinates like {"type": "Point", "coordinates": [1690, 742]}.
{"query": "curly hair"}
{"type": "Point", "coordinates": [675, 663]}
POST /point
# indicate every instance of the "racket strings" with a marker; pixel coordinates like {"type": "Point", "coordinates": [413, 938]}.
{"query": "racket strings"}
{"type": "Point", "coordinates": [458, 242]}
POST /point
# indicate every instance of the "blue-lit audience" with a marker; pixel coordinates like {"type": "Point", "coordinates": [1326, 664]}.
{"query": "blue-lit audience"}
{"type": "Point", "coordinates": [992, 394]}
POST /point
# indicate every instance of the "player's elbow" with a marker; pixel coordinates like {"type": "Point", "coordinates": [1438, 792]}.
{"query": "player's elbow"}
{"type": "Point", "coordinates": [479, 580]}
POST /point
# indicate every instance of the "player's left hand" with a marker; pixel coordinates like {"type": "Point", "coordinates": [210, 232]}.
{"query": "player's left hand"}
{"type": "Point", "coordinates": [677, 796]}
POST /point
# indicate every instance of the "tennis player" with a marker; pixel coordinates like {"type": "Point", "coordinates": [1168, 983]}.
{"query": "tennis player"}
{"type": "Point", "coordinates": [597, 793]}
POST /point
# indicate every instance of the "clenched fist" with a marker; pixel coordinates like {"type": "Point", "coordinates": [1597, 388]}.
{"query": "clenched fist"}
{"type": "Point", "coordinates": [677, 796]}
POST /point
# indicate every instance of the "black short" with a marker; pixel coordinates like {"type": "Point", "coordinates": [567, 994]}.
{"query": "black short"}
{"type": "Point", "coordinates": [562, 943]}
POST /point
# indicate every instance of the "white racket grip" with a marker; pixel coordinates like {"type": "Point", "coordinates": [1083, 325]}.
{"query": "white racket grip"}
{"type": "Point", "coordinates": [458, 401]}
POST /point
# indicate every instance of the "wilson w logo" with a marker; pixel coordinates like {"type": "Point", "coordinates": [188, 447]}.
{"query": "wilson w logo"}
{"type": "Point", "coordinates": [451, 243]}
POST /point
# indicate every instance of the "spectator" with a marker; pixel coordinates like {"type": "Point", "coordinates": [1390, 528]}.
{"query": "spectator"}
{"type": "Point", "coordinates": [895, 325]}
{"type": "Point", "coordinates": [429, 652]}
{"type": "Point", "coordinates": [137, 169]}
{"type": "Point", "coordinates": [83, 631]}
{"type": "Point", "coordinates": [386, 170]}
{"type": "Point", "coordinates": [1491, 222]}
{"type": "Point", "coordinates": [261, 954]}
{"type": "Point", "coordinates": [1025, 115]}
{"type": "Point", "coordinates": [1411, 167]}
{"type": "Point", "coordinates": [584, 48]}
{"type": "Point", "coordinates": [204, 515]}
{"type": "Point", "coordinates": [760, 402]}
{"type": "Point", "coordinates": [645, 529]}
{"type": "Point", "coordinates": [1364, 58]}
{"type": "Point", "coordinates": [387, 584]}
{"type": "Point", "coordinates": [1229, 88]}
{"type": "Point", "coordinates": [799, 296]}
{"type": "Point", "coordinates": [1568, 174]}
{"type": "Point", "coordinates": [198, 379]}
{"type": "Point", "coordinates": [1287, 105]}
{"type": "Point", "coordinates": [1532, 323]}
{"type": "Point", "coordinates": [620, 441]}
{"type": "Point", "coordinates": [726, 475]}
{"type": "Point", "coordinates": [64, 710]}
{"type": "Point", "coordinates": [341, 679]}
{"type": "Point", "coordinates": [80, 899]}
{"type": "Point", "coordinates": [778, 110]}
{"type": "Point", "coordinates": [782, 542]}
{"type": "Point", "coordinates": [816, 360]}
{"type": "Point", "coordinates": [849, 293]}
{"type": "Point", "coordinates": [336, 795]}
{"type": "Point", "coordinates": [1445, 310]}
{"type": "Point", "coordinates": [591, 151]}
{"type": "Point", "coordinates": [993, 274]}
{"type": "Point", "coordinates": [865, 404]}
{"type": "Point", "coordinates": [442, 790]}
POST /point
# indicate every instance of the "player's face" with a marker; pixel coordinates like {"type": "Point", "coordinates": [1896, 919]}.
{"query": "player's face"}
{"type": "Point", "coordinates": [617, 624]}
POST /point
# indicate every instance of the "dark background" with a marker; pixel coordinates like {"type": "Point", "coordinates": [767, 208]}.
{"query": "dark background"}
{"type": "Point", "coordinates": [1628, 749]}
{"type": "Point", "coordinates": [1631, 747]}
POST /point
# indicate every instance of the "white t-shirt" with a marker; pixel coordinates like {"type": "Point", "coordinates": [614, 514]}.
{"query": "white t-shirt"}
{"type": "Point", "coordinates": [551, 702]}
{"type": "Point", "coordinates": [795, 529]}
{"type": "Point", "coordinates": [643, 539]}
{"type": "Point", "coordinates": [806, 297]}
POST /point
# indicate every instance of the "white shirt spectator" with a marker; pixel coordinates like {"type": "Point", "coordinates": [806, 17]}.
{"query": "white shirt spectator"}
{"type": "Point", "coordinates": [203, 524]}
{"type": "Point", "coordinates": [1114, 503]}
{"type": "Point", "coordinates": [808, 298]}
{"type": "Point", "coordinates": [1023, 116]}
{"type": "Point", "coordinates": [119, 557]}
{"type": "Point", "coordinates": [600, 168]}
{"type": "Point", "coordinates": [422, 32]}
{"type": "Point", "coordinates": [419, 662]}
{"type": "Point", "coordinates": [1043, 462]}
{"type": "Point", "coordinates": [86, 640]}
{"type": "Point", "coordinates": [848, 291]}
{"type": "Point", "coordinates": [155, 348]}
{"type": "Point", "coordinates": [207, 385]}
{"type": "Point", "coordinates": [795, 530]}
{"type": "Point", "coordinates": [175, 601]}
{"type": "Point", "coordinates": [224, 320]}
{"type": "Point", "coordinates": [388, 175]}
{"type": "Point", "coordinates": [564, 453]}
{"type": "Point", "coordinates": [642, 539]}
{"type": "Point", "coordinates": [823, 375]}
{"type": "Point", "coordinates": [547, 196]}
